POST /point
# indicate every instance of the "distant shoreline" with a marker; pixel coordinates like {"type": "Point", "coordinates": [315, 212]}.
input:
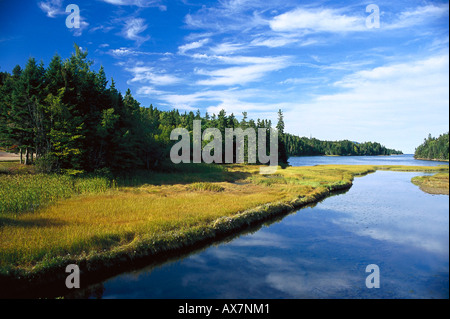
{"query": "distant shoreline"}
{"type": "Point", "coordinates": [345, 155]}
{"type": "Point", "coordinates": [121, 251]}
{"type": "Point", "coordinates": [432, 159]}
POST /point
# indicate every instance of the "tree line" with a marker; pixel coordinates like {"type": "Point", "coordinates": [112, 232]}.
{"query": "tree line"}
{"type": "Point", "coordinates": [434, 148]}
{"type": "Point", "coordinates": [66, 118]}
{"type": "Point", "coordinates": [302, 146]}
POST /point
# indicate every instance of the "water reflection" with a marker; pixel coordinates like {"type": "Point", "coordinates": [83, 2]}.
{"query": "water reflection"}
{"type": "Point", "coordinates": [401, 215]}
{"type": "Point", "coordinates": [406, 159]}
{"type": "Point", "coordinates": [318, 252]}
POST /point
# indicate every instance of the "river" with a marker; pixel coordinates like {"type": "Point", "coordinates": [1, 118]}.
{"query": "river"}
{"type": "Point", "coordinates": [320, 251]}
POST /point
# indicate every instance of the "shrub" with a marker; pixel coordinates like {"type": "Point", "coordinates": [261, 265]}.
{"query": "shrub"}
{"type": "Point", "coordinates": [206, 187]}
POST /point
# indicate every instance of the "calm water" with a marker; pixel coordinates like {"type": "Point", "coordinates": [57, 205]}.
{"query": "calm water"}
{"type": "Point", "coordinates": [361, 160]}
{"type": "Point", "coordinates": [318, 252]}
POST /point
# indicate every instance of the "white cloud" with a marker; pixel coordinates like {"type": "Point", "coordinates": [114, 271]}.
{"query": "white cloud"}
{"type": "Point", "coordinates": [274, 42]}
{"type": "Point", "coordinates": [144, 74]}
{"type": "Point", "coordinates": [149, 91]}
{"type": "Point", "coordinates": [408, 100]}
{"type": "Point", "coordinates": [418, 16]}
{"type": "Point", "coordinates": [320, 284]}
{"type": "Point", "coordinates": [83, 26]}
{"type": "Point", "coordinates": [305, 80]}
{"type": "Point", "coordinates": [133, 28]}
{"type": "Point", "coordinates": [138, 3]}
{"type": "Point", "coordinates": [52, 7]}
{"type": "Point", "coordinates": [235, 75]}
{"type": "Point", "coordinates": [232, 100]}
{"type": "Point", "coordinates": [228, 48]}
{"type": "Point", "coordinates": [261, 239]}
{"type": "Point", "coordinates": [121, 52]}
{"type": "Point", "coordinates": [234, 48]}
{"type": "Point", "coordinates": [318, 20]}
{"type": "Point", "coordinates": [242, 60]}
{"type": "Point", "coordinates": [336, 21]}
{"type": "Point", "coordinates": [228, 15]}
{"type": "Point", "coordinates": [192, 46]}
{"type": "Point", "coordinates": [253, 69]}
{"type": "Point", "coordinates": [127, 52]}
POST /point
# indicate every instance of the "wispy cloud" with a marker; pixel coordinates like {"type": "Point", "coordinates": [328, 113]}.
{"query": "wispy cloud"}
{"type": "Point", "coordinates": [295, 81]}
{"type": "Point", "coordinates": [138, 3]}
{"type": "Point", "coordinates": [232, 60]}
{"type": "Point", "coordinates": [127, 52]}
{"type": "Point", "coordinates": [317, 20]}
{"type": "Point", "coordinates": [83, 26]}
{"type": "Point", "coordinates": [133, 28]}
{"type": "Point", "coordinates": [228, 15]}
{"type": "Point", "coordinates": [250, 69]}
{"type": "Point", "coordinates": [52, 8]}
{"type": "Point", "coordinates": [149, 91]}
{"type": "Point", "coordinates": [146, 74]}
{"type": "Point", "coordinates": [274, 42]}
{"type": "Point", "coordinates": [418, 16]}
{"type": "Point", "coordinates": [330, 20]}
{"type": "Point", "coordinates": [192, 46]}
{"type": "Point", "coordinates": [228, 48]}
{"type": "Point", "coordinates": [404, 96]}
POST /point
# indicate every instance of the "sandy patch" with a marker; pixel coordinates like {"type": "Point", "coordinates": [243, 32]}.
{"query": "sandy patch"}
{"type": "Point", "coordinates": [9, 156]}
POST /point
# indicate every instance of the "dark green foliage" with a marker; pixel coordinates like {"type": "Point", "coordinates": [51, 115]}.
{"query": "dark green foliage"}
{"type": "Point", "coordinates": [66, 119]}
{"type": "Point", "coordinates": [302, 146]}
{"type": "Point", "coordinates": [434, 148]}
{"type": "Point", "coordinates": [282, 152]}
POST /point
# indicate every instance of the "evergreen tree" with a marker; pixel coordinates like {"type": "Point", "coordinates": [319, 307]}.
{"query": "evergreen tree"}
{"type": "Point", "coordinates": [73, 122]}
{"type": "Point", "coordinates": [434, 148]}
{"type": "Point", "coordinates": [282, 153]}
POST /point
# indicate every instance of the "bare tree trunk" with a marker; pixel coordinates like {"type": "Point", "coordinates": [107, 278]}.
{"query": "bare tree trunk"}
{"type": "Point", "coordinates": [26, 156]}
{"type": "Point", "coordinates": [21, 155]}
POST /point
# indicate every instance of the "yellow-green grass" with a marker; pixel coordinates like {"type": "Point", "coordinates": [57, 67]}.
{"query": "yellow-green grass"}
{"type": "Point", "coordinates": [102, 224]}
{"type": "Point", "coordinates": [99, 221]}
{"type": "Point", "coordinates": [6, 167]}
{"type": "Point", "coordinates": [437, 184]}
{"type": "Point", "coordinates": [27, 193]}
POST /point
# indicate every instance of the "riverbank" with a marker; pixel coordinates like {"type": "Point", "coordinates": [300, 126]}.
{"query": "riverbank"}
{"type": "Point", "coordinates": [104, 231]}
{"type": "Point", "coordinates": [433, 159]}
{"type": "Point", "coordinates": [4, 156]}
{"type": "Point", "coordinates": [437, 184]}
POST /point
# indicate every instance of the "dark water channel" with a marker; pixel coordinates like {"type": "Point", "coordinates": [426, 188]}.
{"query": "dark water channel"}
{"type": "Point", "coordinates": [320, 251]}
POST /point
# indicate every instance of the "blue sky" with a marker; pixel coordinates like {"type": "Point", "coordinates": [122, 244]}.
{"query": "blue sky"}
{"type": "Point", "coordinates": [334, 77]}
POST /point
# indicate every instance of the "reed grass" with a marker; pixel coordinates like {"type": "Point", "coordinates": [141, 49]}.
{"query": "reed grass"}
{"type": "Point", "coordinates": [437, 184]}
{"type": "Point", "coordinates": [210, 187]}
{"type": "Point", "coordinates": [27, 193]}
{"type": "Point", "coordinates": [46, 220]}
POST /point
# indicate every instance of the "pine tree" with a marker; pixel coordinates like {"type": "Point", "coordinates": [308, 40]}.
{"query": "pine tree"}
{"type": "Point", "coordinates": [282, 154]}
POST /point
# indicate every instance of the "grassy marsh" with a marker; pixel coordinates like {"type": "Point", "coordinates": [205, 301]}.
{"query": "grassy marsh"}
{"type": "Point", "coordinates": [50, 221]}
{"type": "Point", "coordinates": [437, 184]}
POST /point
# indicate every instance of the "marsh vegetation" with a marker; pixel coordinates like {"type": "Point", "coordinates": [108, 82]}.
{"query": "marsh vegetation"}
{"type": "Point", "coordinates": [50, 220]}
